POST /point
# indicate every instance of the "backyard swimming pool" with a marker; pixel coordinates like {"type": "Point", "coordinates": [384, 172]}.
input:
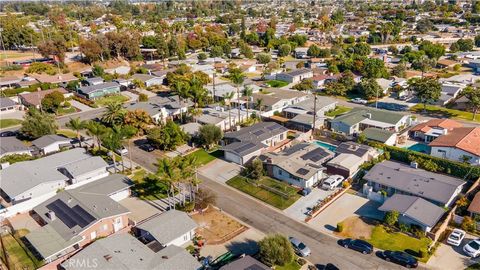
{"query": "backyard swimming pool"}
{"type": "Point", "coordinates": [327, 146]}
{"type": "Point", "coordinates": [419, 147]}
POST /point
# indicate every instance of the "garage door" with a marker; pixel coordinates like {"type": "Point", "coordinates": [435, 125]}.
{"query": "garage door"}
{"type": "Point", "coordinates": [120, 195]}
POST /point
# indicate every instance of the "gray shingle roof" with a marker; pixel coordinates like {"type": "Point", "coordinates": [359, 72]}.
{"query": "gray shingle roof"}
{"type": "Point", "coordinates": [243, 148]}
{"type": "Point", "coordinates": [107, 185]}
{"type": "Point", "coordinates": [168, 226]}
{"type": "Point", "coordinates": [48, 242]}
{"type": "Point", "coordinates": [415, 208]}
{"type": "Point", "coordinates": [257, 132]}
{"type": "Point", "coordinates": [6, 102]}
{"type": "Point", "coordinates": [84, 166]}
{"type": "Point", "coordinates": [47, 140]}
{"type": "Point", "coordinates": [359, 150]}
{"type": "Point", "coordinates": [298, 72]}
{"type": "Point", "coordinates": [11, 145]}
{"type": "Point", "coordinates": [245, 263]}
{"type": "Point", "coordinates": [432, 186]}
{"type": "Point", "coordinates": [94, 88]}
{"type": "Point", "coordinates": [125, 252]}
{"type": "Point", "coordinates": [376, 134]}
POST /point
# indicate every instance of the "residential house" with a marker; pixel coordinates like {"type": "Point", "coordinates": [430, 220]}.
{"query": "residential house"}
{"type": "Point", "coordinates": [299, 165]}
{"type": "Point", "coordinates": [245, 144]}
{"type": "Point", "coordinates": [148, 80]}
{"type": "Point", "coordinates": [121, 70]}
{"type": "Point", "coordinates": [474, 207]}
{"type": "Point", "coordinates": [414, 211]}
{"type": "Point", "coordinates": [74, 218]}
{"type": "Point", "coordinates": [7, 105]}
{"type": "Point", "coordinates": [245, 263]}
{"type": "Point", "coordinates": [360, 118]}
{"type": "Point", "coordinates": [295, 76]}
{"type": "Point", "coordinates": [460, 144]}
{"type": "Point", "coordinates": [219, 91]}
{"type": "Point", "coordinates": [61, 79]}
{"type": "Point", "coordinates": [449, 92]}
{"type": "Point", "coordinates": [446, 63]}
{"type": "Point", "coordinates": [346, 165]}
{"type": "Point", "coordinates": [432, 129]}
{"type": "Point", "coordinates": [323, 105]}
{"type": "Point", "coordinates": [320, 80]}
{"type": "Point", "coordinates": [94, 81]}
{"type": "Point", "coordinates": [226, 120]}
{"type": "Point", "coordinates": [34, 99]}
{"type": "Point", "coordinates": [191, 129]}
{"type": "Point", "coordinates": [125, 252]}
{"type": "Point", "coordinates": [98, 91]}
{"type": "Point", "coordinates": [276, 100]}
{"type": "Point", "coordinates": [9, 81]}
{"type": "Point", "coordinates": [304, 122]}
{"type": "Point", "coordinates": [365, 152]}
{"type": "Point", "coordinates": [394, 177]}
{"type": "Point", "coordinates": [42, 177]}
{"type": "Point", "coordinates": [301, 52]}
{"type": "Point", "coordinates": [172, 227]}
{"type": "Point", "coordinates": [379, 135]}
{"type": "Point", "coordinates": [13, 146]}
{"type": "Point", "coordinates": [48, 144]}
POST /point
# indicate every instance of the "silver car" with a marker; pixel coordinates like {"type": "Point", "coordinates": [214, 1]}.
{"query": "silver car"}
{"type": "Point", "coordinates": [299, 247]}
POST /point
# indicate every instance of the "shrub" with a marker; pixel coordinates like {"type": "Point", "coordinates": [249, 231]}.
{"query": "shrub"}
{"type": "Point", "coordinates": [468, 224]}
{"type": "Point", "coordinates": [404, 227]}
{"type": "Point", "coordinates": [391, 217]}
{"type": "Point", "coordinates": [340, 227]}
{"type": "Point", "coordinates": [301, 261]}
{"type": "Point", "coordinates": [423, 253]}
{"type": "Point", "coordinates": [188, 207]}
{"type": "Point", "coordinates": [345, 184]}
{"type": "Point", "coordinates": [142, 97]}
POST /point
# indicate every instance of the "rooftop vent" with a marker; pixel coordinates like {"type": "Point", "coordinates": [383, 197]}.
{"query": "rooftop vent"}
{"type": "Point", "coordinates": [51, 215]}
{"type": "Point", "coordinates": [414, 165]}
{"type": "Point", "coordinates": [108, 257]}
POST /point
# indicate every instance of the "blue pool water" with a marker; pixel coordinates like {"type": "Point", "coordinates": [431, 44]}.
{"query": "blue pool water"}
{"type": "Point", "coordinates": [327, 146]}
{"type": "Point", "coordinates": [420, 147]}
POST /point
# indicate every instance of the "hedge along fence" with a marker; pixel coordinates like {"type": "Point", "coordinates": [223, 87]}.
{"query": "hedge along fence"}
{"type": "Point", "coordinates": [457, 169]}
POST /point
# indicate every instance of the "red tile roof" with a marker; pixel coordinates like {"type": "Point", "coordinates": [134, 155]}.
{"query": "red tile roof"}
{"type": "Point", "coordinates": [34, 98]}
{"type": "Point", "coordinates": [464, 138]}
{"type": "Point", "coordinates": [443, 123]}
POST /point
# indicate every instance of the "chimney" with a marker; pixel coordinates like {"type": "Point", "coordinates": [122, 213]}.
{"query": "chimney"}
{"type": "Point", "coordinates": [368, 115]}
{"type": "Point", "coordinates": [165, 257]}
{"type": "Point", "coordinates": [108, 257]}
{"type": "Point", "coordinates": [414, 165]}
{"type": "Point", "coordinates": [51, 215]}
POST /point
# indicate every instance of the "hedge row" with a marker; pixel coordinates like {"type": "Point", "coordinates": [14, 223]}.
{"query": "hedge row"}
{"type": "Point", "coordinates": [457, 169]}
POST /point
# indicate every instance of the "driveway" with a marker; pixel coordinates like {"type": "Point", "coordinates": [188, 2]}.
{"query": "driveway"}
{"type": "Point", "coordinates": [346, 206]}
{"type": "Point", "coordinates": [139, 209]}
{"type": "Point", "coordinates": [220, 170]}
{"type": "Point", "coordinates": [13, 115]}
{"type": "Point", "coordinates": [132, 96]}
{"type": "Point", "coordinates": [244, 243]}
{"type": "Point", "coordinates": [82, 107]}
{"type": "Point", "coordinates": [146, 92]}
{"type": "Point", "coordinates": [299, 209]}
{"type": "Point", "coordinates": [450, 257]}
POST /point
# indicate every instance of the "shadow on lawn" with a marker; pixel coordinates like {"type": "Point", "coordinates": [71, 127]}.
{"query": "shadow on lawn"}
{"type": "Point", "coordinates": [436, 113]}
{"type": "Point", "coordinates": [249, 247]}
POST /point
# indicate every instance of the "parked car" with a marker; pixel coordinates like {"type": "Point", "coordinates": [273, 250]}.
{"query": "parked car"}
{"type": "Point", "coordinates": [332, 182]}
{"type": "Point", "coordinates": [8, 134]}
{"type": "Point", "coordinates": [122, 151]}
{"type": "Point", "coordinates": [456, 237]}
{"type": "Point", "coordinates": [472, 248]}
{"type": "Point", "coordinates": [359, 101]}
{"type": "Point", "coordinates": [358, 245]}
{"type": "Point", "coordinates": [400, 258]}
{"type": "Point", "coordinates": [299, 247]}
{"type": "Point", "coordinates": [147, 147]}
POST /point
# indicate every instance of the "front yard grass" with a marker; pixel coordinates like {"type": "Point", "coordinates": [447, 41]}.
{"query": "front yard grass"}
{"type": "Point", "coordinates": [204, 157]}
{"type": "Point", "coordinates": [436, 111]}
{"type": "Point", "coordinates": [102, 102]}
{"type": "Point", "coordinates": [276, 83]}
{"type": "Point", "coordinates": [338, 110]}
{"type": "Point", "coordinates": [270, 192]}
{"type": "Point", "coordinates": [67, 133]}
{"type": "Point", "coordinates": [294, 265]}
{"type": "Point", "coordinates": [398, 242]}
{"type": "Point", "coordinates": [147, 187]}
{"type": "Point", "coordinates": [19, 257]}
{"type": "Point", "coordinates": [4, 123]}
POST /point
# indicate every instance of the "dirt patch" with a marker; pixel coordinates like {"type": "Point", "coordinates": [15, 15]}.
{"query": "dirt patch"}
{"type": "Point", "coordinates": [355, 227]}
{"type": "Point", "coordinates": [216, 227]}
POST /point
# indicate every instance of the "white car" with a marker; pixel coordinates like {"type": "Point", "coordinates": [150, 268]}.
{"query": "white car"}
{"type": "Point", "coordinates": [456, 237]}
{"type": "Point", "coordinates": [472, 248]}
{"type": "Point", "coordinates": [122, 151]}
{"type": "Point", "coordinates": [299, 247]}
{"type": "Point", "coordinates": [359, 101]}
{"type": "Point", "coordinates": [332, 182]}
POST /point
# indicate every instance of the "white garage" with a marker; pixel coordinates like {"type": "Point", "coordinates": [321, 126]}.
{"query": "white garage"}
{"type": "Point", "coordinates": [242, 152]}
{"type": "Point", "coordinates": [118, 196]}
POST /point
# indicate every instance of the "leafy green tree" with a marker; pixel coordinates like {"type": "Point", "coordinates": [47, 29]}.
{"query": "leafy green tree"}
{"type": "Point", "coordinates": [255, 169]}
{"type": "Point", "coordinates": [391, 218]}
{"type": "Point", "coordinates": [53, 47]}
{"type": "Point", "coordinates": [400, 70]}
{"type": "Point", "coordinates": [304, 85]}
{"type": "Point", "coordinates": [348, 80]}
{"type": "Point", "coordinates": [98, 71]}
{"type": "Point", "coordinates": [313, 51]}
{"type": "Point", "coordinates": [167, 137]}
{"type": "Point", "coordinates": [216, 51]}
{"type": "Point", "coordinates": [473, 97]}
{"type": "Point", "coordinates": [374, 68]}
{"type": "Point", "coordinates": [424, 64]}
{"type": "Point", "coordinates": [432, 50]}
{"type": "Point", "coordinates": [335, 89]}
{"type": "Point", "coordinates": [114, 114]}
{"type": "Point", "coordinates": [362, 49]}
{"type": "Point", "coordinates": [428, 90]}
{"type": "Point", "coordinates": [284, 50]}
{"type": "Point", "coordinates": [142, 97]}
{"type": "Point", "coordinates": [210, 135]}
{"type": "Point", "coordinates": [112, 140]}
{"type": "Point", "coordinates": [264, 59]}
{"type": "Point", "coordinates": [168, 172]}
{"type": "Point", "coordinates": [37, 124]}
{"type": "Point", "coordinates": [464, 45]}
{"type": "Point", "coordinates": [77, 125]}
{"type": "Point", "coordinates": [237, 77]}
{"type": "Point", "coordinates": [369, 88]}
{"type": "Point", "coordinates": [202, 56]}
{"type": "Point", "coordinates": [275, 249]}
{"type": "Point", "coordinates": [52, 101]}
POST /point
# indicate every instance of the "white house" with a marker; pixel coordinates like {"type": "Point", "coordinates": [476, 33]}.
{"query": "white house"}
{"type": "Point", "coordinates": [13, 146]}
{"type": "Point", "coordinates": [295, 76]}
{"type": "Point", "coordinates": [460, 144]}
{"type": "Point", "coordinates": [51, 143]}
{"type": "Point", "coordinates": [7, 105]}
{"type": "Point", "coordinates": [148, 80]}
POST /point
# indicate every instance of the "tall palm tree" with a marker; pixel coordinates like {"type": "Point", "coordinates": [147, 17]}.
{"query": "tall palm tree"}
{"type": "Point", "coordinates": [187, 167]}
{"type": "Point", "coordinates": [96, 130]}
{"type": "Point", "coordinates": [113, 114]}
{"type": "Point", "coordinates": [167, 171]}
{"type": "Point", "coordinates": [248, 91]}
{"type": "Point", "coordinates": [237, 77]}
{"type": "Point", "coordinates": [77, 125]}
{"type": "Point", "coordinates": [183, 91]}
{"type": "Point", "coordinates": [259, 106]}
{"type": "Point", "coordinates": [227, 97]}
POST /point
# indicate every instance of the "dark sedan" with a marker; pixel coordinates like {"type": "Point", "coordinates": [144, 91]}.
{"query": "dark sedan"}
{"type": "Point", "coordinates": [358, 245]}
{"type": "Point", "coordinates": [400, 258]}
{"type": "Point", "coordinates": [147, 147]}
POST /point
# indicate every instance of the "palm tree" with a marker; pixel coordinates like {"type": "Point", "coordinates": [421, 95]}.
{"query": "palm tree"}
{"type": "Point", "coordinates": [128, 132]}
{"type": "Point", "coordinates": [237, 77]}
{"type": "Point", "coordinates": [194, 112]}
{"type": "Point", "coordinates": [183, 91]}
{"type": "Point", "coordinates": [96, 130]}
{"type": "Point", "coordinates": [113, 114]}
{"type": "Point", "coordinates": [112, 140]}
{"type": "Point", "coordinates": [167, 171]}
{"type": "Point", "coordinates": [76, 125]}
{"type": "Point", "coordinates": [248, 91]}
{"type": "Point", "coordinates": [259, 106]}
{"type": "Point", "coordinates": [197, 92]}
{"type": "Point", "coordinates": [187, 168]}
{"type": "Point", "coordinates": [226, 99]}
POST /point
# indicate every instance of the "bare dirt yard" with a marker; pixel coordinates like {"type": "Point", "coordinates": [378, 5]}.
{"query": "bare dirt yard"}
{"type": "Point", "coordinates": [217, 227]}
{"type": "Point", "coordinates": [355, 227]}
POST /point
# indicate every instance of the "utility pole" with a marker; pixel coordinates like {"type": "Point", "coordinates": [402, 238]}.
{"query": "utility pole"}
{"type": "Point", "coordinates": [314, 113]}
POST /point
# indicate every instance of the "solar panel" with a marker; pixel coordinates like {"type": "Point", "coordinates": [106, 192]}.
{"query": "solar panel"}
{"type": "Point", "coordinates": [302, 171]}
{"type": "Point", "coordinates": [244, 147]}
{"type": "Point", "coordinates": [70, 216]}
{"type": "Point", "coordinates": [258, 132]}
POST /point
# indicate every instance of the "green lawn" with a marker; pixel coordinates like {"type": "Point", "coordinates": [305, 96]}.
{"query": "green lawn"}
{"type": "Point", "coordinates": [67, 133]}
{"type": "Point", "coordinates": [436, 111]}
{"type": "Point", "coordinates": [475, 266]}
{"type": "Point", "coordinates": [63, 111]}
{"type": "Point", "coordinates": [276, 83]}
{"type": "Point", "coordinates": [398, 241]}
{"type": "Point", "coordinates": [4, 123]}
{"type": "Point", "coordinates": [247, 185]}
{"type": "Point", "coordinates": [204, 157]}
{"type": "Point", "coordinates": [109, 99]}
{"type": "Point", "coordinates": [146, 188]}
{"type": "Point", "coordinates": [338, 110]}
{"type": "Point", "coordinates": [290, 266]}
{"type": "Point", "coordinates": [19, 256]}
